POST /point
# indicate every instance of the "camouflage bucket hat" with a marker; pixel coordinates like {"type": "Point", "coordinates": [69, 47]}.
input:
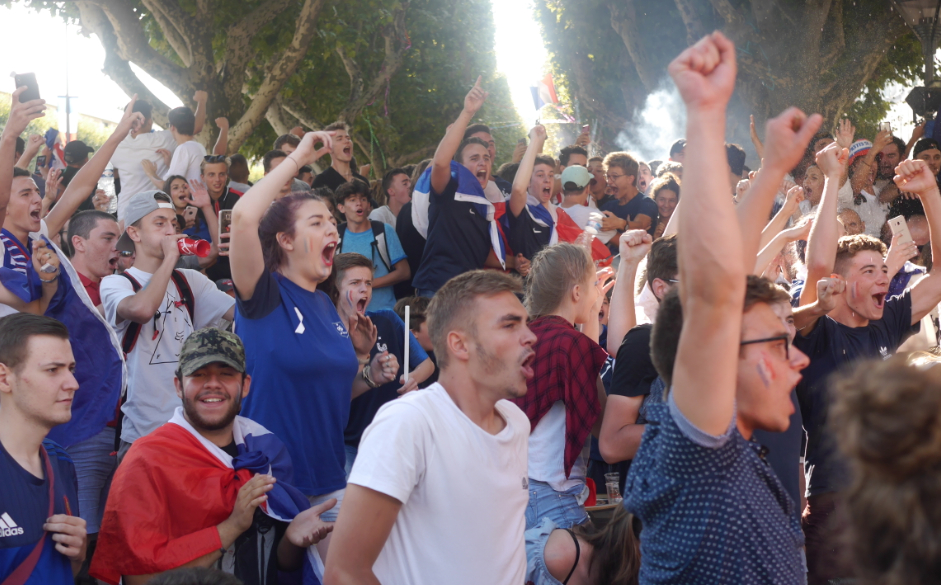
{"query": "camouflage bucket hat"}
{"type": "Point", "coordinates": [211, 346]}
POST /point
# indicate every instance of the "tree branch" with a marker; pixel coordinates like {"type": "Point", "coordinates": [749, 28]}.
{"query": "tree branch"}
{"type": "Point", "coordinates": [414, 156]}
{"type": "Point", "coordinates": [133, 46]}
{"type": "Point", "coordinates": [238, 50]}
{"type": "Point", "coordinates": [694, 29]}
{"type": "Point", "coordinates": [93, 20]}
{"type": "Point", "coordinates": [279, 73]}
{"type": "Point", "coordinates": [625, 22]}
{"type": "Point", "coordinates": [172, 28]}
{"type": "Point", "coordinates": [394, 51]}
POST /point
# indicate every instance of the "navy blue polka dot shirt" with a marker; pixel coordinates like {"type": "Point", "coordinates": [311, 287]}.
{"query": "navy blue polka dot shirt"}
{"type": "Point", "coordinates": [712, 509]}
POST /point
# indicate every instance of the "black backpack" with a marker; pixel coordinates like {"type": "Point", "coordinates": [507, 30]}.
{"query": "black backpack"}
{"type": "Point", "coordinates": [378, 242]}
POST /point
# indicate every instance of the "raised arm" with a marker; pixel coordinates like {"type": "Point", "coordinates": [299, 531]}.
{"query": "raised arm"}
{"type": "Point", "coordinates": [441, 164]}
{"type": "Point", "coordinates": [791, 204]}
{"type": "Point", "coordinates": [86, 179]}
{"type": "Point", "coordinates": [786, 139]}
{"type": "Point", "coordinates": [709, 252]}
{"type": "Point", "coordinates": [821, 244]}
{"type": "Point", "coordinates": [20, 117]}
{"type": "Point", "coordinates": [860, 175]}
{"type": "Point", "coordinates": [33, 145]}
{"type": "Point", "coordinates": [537, 137]}
{"type": "Point", "coordinates": [200, 199]}
{"type": "Point", "coordinates": [200, 97]}
{"type": "Point", "coordinates": [222, 142]}
{"type": "Point", "coordinates": [914, 176]}
{"type": "Point", "coordinates": [245, 254]}
{"type": "Point", "coordinates": [634, 246]}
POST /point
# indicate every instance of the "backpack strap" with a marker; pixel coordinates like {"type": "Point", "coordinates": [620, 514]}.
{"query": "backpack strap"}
{"type": "Point", "coordinates": [133, 329]}
{"type": "Point", "coordinates": [379, 243]}
{"type": "Point", "coordinates": [186, 294]}
{"type": "Point", "coordinates": [24, 571]}
{"type": "Point", "coordinates": [341, 230]}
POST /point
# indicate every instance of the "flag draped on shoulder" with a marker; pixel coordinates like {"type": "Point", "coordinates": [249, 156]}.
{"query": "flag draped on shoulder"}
{"type": "Point", "coordinates": [174, 487]}
{"type": "Point", "coordinates": [469, 191]}
{"type": "Point", "coordinates": [562, 228]}
{"type": "Point", "coordinates": [99, 362]}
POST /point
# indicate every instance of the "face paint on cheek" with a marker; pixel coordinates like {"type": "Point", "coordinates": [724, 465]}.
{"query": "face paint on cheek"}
{"type": "Point", "coordinates": [764, 372]}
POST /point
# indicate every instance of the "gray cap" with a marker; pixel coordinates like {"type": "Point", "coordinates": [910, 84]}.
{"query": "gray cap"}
{"type": "Point", "coordinates": [576, 174]}
{"type": "Point", "coordinates": [139, 206]}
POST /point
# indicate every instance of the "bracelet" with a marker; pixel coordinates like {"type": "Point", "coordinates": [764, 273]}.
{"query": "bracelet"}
{"type": "Point", "coordinates": [368, 379]}
{"type": "Point", "coordinates": [297, 166]}
{"type": "Point", "coordinates": [53, 279]}
{"type": "Point", "coordinates": [362, 361]}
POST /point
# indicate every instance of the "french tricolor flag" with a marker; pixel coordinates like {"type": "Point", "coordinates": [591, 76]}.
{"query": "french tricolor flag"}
{"type": "Point", "coordinates": [544, 92]}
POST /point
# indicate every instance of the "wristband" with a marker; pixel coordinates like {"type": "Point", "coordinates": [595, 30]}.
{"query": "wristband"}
{"type": "Point", "coordinates": [53, 279]}
{"type": "Point", "coordinates": [369, 381]}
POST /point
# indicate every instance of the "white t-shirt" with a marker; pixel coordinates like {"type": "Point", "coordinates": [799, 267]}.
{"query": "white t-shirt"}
{"type": "Point", "coordinates": [547, 452]}
{"type": "Point", "coordinates": [463, 491]}
{"type": "Point", "coordinates": [383, 214]}
{"type": "Point", "coordinates": [151, 396]}
{"type": "Point", "coordinates": [186, 160]}
{"type": "Point", "coordinates": [127, 159]}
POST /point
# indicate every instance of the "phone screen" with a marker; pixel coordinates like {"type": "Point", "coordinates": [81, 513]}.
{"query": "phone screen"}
{"type": "Point", "coordinates": [225, 223]}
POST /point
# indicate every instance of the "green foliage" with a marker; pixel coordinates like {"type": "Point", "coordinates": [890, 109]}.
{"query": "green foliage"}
{"type": "Point", "coordinates": [451, 44]}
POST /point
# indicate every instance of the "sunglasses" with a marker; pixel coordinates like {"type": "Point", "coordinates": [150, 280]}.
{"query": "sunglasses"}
{"type": "Point", "coordinates": [214, 158]}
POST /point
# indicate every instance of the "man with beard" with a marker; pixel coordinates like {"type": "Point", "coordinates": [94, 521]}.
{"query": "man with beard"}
{"type": "Point", "coordinates": [187, 494]}
{"type": "Point", "coordinates": [439, 487]}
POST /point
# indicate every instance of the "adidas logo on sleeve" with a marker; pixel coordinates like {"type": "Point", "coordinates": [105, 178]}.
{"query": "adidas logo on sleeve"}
{"type": "Point", "coordinates": [8, 527]}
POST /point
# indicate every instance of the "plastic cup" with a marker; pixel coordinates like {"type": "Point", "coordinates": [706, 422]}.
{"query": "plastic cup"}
{"type": "Point", "coordinates": [191, 247]}
{"type": "Point", "coordinates": [612, 486]}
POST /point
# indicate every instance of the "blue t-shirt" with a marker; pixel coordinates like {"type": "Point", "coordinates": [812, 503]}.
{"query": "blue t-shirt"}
{"type": "Point", "coordinates": [784, 450]}
{"type": "Point", "coordinates": [458, 236]}
{"type": "Point", "coordinates": [830, 347]}
{"type": "Point", "coordinates": [24, 507]}
{"type": "Point", "coordinates": [639, 205]}
{"type": "Point", "coordinates": [391, 338]}
{"type": "Point", "coordinates": [302, 364]}
{"type": "Point", "coordinates": [713, 511]}
{"type": "Point", "coordinates": [364, 243]}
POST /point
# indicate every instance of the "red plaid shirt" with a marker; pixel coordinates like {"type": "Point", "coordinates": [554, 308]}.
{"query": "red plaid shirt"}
{"type": "Point", "coordinates": [566, 368]}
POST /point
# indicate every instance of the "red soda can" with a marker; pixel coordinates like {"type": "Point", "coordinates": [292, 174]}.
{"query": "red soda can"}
{"type": "Point", "coordinates": [191, 247]}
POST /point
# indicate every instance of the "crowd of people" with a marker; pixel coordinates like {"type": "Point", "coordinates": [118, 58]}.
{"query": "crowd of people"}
{"type": "Point", "coordinates": [431, 377]}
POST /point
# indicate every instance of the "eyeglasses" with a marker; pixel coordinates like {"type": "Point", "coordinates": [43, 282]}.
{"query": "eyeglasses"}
{"type": "Point", "coordinates": [611, 177]}
{"type": "Point", "coordinates": [215, 158]}
{"type": "Point", "coordinates": [785, 338]}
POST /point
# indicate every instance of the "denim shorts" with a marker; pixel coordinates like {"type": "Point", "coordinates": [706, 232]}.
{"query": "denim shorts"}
{"type": "Point", "coordinates": [94, 468]}
{"type": "Point", "coordinates": [536, 570]}
{"type": "Point", "coordinates": [560, 507]}
{"type": "Point", "coordinates": [331, 514]}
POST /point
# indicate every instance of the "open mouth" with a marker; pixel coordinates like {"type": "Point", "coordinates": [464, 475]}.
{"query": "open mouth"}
{"type": "Point", "coordinates": [113, 263]}
{"type": "Point", "coordinates": [328, 252]}
{"type": "Point", "coordinates": [592, 182]}
{"type": "Point", "coordinates": [348, 150]}
{"type": "Point", "coordinates": [527, 366]}
{"type": "Point", "coordinates": [879, 300]}
{"type": "Point", "coordinates": [212, 400]}
{"type": "Point", "coordinates": [361, 305]}
{"type": "Point", "coordinates": [481, 175]}
{"type": "Point", "coordinates": [546, 193]}
{"type": "Point", "coordinates": [34, 215]}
